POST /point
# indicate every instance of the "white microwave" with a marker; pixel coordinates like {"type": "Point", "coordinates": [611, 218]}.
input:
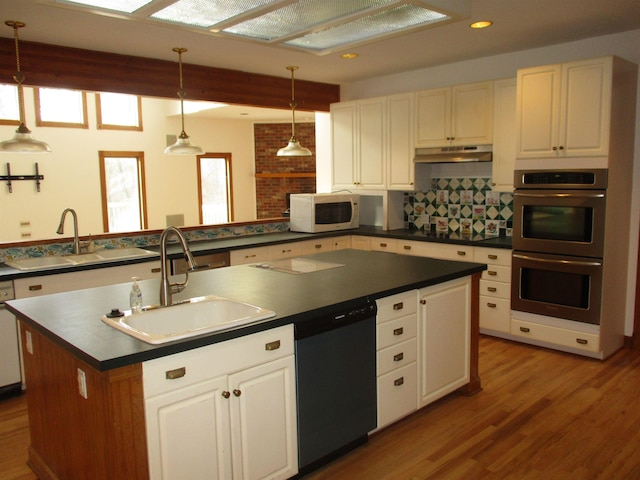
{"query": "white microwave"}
{"type": "Point", "coordinates": [323, 212]}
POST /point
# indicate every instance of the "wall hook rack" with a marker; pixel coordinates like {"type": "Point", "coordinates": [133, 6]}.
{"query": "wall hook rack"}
{"type": "Point", "coordinates": [10, 178]}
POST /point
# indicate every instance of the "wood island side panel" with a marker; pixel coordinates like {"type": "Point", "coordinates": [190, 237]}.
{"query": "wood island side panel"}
{"type": "Point", "coordinates": [99, 437]}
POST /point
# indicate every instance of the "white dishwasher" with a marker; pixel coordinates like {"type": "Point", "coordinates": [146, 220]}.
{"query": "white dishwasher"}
{"type": "Point", "coordinates": [10, 378]}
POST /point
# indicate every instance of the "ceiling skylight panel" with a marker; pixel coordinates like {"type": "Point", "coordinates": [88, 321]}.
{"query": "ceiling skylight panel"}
{"type": "Point", "coordinates": [374, 26]}
{"type": "Point", "coordinates": [124, 6]}
{"type": "Point", "coordinates": [205, 13]}
{"type": "Point", "coordinates": [301, 16]}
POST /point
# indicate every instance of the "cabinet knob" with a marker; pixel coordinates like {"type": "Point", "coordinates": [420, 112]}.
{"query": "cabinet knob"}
{"type": "Point", "coordinates": [423, 302]}
{"type": "Point", "coordinates": [226, 394]}
{"type": "Point", "coordinates": [237, 392]}
{"type": "Point", "coordinates": [554, 148]}
{"type": "Point", "coordinates": [560, 147]}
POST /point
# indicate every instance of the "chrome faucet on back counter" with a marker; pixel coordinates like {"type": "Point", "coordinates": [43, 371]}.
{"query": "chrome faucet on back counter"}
{"type": "Point", "coordinates": [60, 231]}
{"type": "Point", "coordinates": [167, 289]}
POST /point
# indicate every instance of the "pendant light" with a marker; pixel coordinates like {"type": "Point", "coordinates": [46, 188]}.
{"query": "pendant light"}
{"type": "Point", "coordinates": [293, 149]}
{"type": "Point", "coordinates": [183, 145]}
{"type": "Point", "coordinates": [22, 142]}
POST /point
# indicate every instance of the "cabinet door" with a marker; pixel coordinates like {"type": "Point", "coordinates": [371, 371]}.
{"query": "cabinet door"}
{"type": "Point", "coordinates": [444, 325]}
{"type": "Point", "coordinates": [340, 243]}
{"type": "Point", "coordinates": [343, 134]}
{"type": "Point", "coordinates": [263, 421]}
{"type": "Point", "coordinates": [400, 143]}
{"type": "Point", "coordinates": [372, 159]}
{"type": "Point", "coordinates": [188, 432]}
{"type": "Point", "coordinates": [585, 112]}
{"type": "Point", "coordinates": [504, 134]}
{"type": "Point", "coordinates": [471, 117]}
{"type": "Point", "coordinates": [433, 118]}
{"type": "Point", "coordinates": [538, 107]}
{"type": "Point", "coordinates": [360, 243]}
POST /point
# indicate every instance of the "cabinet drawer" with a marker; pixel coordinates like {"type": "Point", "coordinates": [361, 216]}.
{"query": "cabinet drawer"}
{"type": "Point", "coordinates": [317, 246]}
{"type": "Point", "coordinates": [396, 306]}
{"type": "Point", "coordinates": [497, 273]}
{"type": "Point", "coordinates": [494, 289]}
{"type": "Point", "coordinates": [495, 313]}
{"type": "Point", "coordinates": [249, 255]}
{"type": "Point", "coordinates": [179, 370]}
{"type": "Point", "coordinates": [396, 331]}
{"type": "Point", "coordinates": [285, 250]}
{"type": "Point", "coordinates": [462, 253]}
{"type": "Point", "coordinates": [397, 394]}
{"type": "Point", "coordinates": [396, 356]}
{"type": "Point", "coordinates": [560, 336]}
{"type": "Point", "coordinates": [384, 245]}
{"type": "Point", "coordinates": [493, 256]}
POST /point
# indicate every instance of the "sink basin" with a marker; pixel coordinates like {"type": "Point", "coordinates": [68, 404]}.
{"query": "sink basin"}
{"type": "Point", "coordinates": [55, 261]}
{"type": "Point", "coordinates": [194, 317]}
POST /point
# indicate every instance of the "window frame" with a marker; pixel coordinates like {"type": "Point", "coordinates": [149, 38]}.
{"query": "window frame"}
{"type": "Point", "coordinates": [143, 212]}
{"type": "Point", "coordinates": [100, 125]}
{"type": "Point", "coordinates": [228, 163]}
{"type": "Point", "coordinates": [11, 121]}
{"type": "Point", "coordinates": [47, 123]}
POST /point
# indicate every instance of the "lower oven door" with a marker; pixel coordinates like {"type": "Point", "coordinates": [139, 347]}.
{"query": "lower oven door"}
{"type": "Point", "coordinates": [557, 286]}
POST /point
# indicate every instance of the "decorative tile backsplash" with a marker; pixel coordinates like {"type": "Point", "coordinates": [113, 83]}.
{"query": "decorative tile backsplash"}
{"type": "Point", "coordinates": [461, 205]}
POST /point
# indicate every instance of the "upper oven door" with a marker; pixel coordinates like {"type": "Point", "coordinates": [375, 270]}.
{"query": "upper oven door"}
{"type": "Point", "coordinates": [564, 222]}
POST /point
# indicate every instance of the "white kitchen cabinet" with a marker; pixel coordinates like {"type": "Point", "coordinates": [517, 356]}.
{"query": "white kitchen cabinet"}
{"type": "Point", "coordinates": [360, 243]}
{"type": "Point", "coordinates": [455, 116]}
{"type": "Point", "coordinates": [504, 135]}
{"type": "Point", "coordinates": [379, 244]}
{"type": "Point", "coordinates": [341, 243]}
{"type": "Point", "coordinates": [400, 142]}
{"type": "Point", "coordinates": [396, 356]}
{"type": "Point", "coordinates": [444, 332]}
{"type": "Point", "coordinates": [224, 411]}
{"type": "Point", "coordinates": [563, 110]}
{"type": "Point", "coordinates": [495, 290]}
{"type": "Point", "coordinates": [248, 255]}
{"type": "Point", "coordinates": [550, 335]}
{"type": "Point", "coordinates": [285, 250]}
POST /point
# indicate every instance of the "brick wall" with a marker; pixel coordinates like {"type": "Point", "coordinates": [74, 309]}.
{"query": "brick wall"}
{"type": "Point", "coordinates": [271, 192]}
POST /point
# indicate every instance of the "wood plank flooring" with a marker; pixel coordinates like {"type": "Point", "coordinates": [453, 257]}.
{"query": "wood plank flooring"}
{"type": "Point", "coordinates": [541, 415]}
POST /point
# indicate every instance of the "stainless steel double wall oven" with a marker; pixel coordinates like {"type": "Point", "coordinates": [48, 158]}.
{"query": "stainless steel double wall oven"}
{"type": "Point", "coordinates": [558, 243]}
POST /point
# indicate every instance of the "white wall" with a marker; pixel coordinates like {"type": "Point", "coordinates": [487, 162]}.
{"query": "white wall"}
{"type": "Point", "coordinates": [72, 176]}
{"type": "Point", "coordinates": [625, 45]}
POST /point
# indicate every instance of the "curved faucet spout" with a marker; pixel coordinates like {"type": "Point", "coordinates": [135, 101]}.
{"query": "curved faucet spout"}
{"type": "Point", "coordinates": [167, 289]}
{"type": "Point", "coordinates": [60, 231]}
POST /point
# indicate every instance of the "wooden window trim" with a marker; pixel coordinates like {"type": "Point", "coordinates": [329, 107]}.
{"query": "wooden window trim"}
{"type": "Point", "coordinates": [227, 157]}
{"type": "Point", "coordinates": [100, 125]}
{"type": "Point", "coordinates": [41, 123]}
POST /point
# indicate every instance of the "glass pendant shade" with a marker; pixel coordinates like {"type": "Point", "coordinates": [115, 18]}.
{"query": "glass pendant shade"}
{"type": "Point", "coordinates": [293, 149]}
{"type": "Point", "coordinates": [22, 141]}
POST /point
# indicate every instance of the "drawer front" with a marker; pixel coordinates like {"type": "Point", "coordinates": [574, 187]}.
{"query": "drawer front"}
{"type": "Point", "coordinates": [397, 394]}
{"type": "Point", "coordinates": [560, 336]}
{"type": "Point", "coordinates": [285, 250]}
{"type": "Point", "coordinates": [397, 356]}
{"type": "Point", "coordinates": [317, 246]}
{"type": "Point", "coordinates": [177, 371]}
{"type": "Point", "coordinates": [495, 289]}
{"type": "Point", "coordinates": [396, 306]}
{"type": "Point", "coordinates": [396, 331]}
{"type": "Point", "coordinates": [495, 314]}
{"type": "Point", "coordinates": [249, 255]}
{"type": "Point", "coordinates": [493, 256]}
{"type": "Point", "coordinates": [462, 253]}
{"type": "Point", "coordinates": [497, 273]}
{"type": "Point", "coordinates": [384, 245]}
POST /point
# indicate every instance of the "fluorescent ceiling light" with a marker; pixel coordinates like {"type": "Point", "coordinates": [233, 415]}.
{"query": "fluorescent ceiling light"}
{"type": "Point", "coordinates": [315, 26]}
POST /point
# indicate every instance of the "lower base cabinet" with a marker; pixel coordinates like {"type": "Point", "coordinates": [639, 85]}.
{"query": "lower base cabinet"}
{"type": "Point", "coordinates": [225, 411]}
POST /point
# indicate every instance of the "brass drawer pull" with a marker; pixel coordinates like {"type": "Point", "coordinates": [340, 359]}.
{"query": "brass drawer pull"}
{"type": "Point", "coordinates": [398, 331]}
{"type": "Point", "coordinates": [407, 247]}
{"type": "Point", "coordinates": [398, 381]}
{"type": "Point", "coordinates": [461, 253]}
{"type": "Point", "coordinates": [318, 246]}
{"type": "Point", "coordinates": [155, 270]}
{"type": "Point", "coordinates": [491, 305]}
{"type": "Point", "coordinates": [35, 288]}
{"type": "Point", "coordinates": [492, 273]}
{"type": "Point", "coordinates": [383, 245]}
{"type": "Point", "coordinates": [275, 345]}
{"type": "Point", "coordinates": [525, 329]}
{"type": "Point", "coordinates": [398, 306]}
{"type": "Point", "coordinates": [398, 357]}
{"type": "Point", "coordinates": [582, 341]}
{"type": "Point", "coordinates": [250, 256]}
{"type": "Point", "coordinates": [492, 289]}
{"type": "Point", "coordinates": [493, 257]}
{"type": "Point", "coordinates": [176, 373]}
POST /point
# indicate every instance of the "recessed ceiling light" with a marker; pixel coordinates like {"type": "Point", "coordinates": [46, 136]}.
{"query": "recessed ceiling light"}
{"type": "Point", "coordinates": [481, 24]}
{"type": "Point", "coordinates": [349, 56]}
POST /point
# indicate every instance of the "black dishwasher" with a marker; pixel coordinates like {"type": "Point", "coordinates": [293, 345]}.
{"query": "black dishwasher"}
{"type": "Point", "coordinates": [336, 383]}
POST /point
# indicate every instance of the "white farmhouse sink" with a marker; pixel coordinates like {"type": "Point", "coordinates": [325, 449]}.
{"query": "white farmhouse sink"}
{"type": "Point", "coordinates": [55, 261]}
{"type": "Point", "coordinates": [194, 317]}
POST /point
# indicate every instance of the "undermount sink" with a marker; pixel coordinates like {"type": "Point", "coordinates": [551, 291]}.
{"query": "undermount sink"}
{"type": "Point", "coordinates": [55, 261]}
{"type": "Point", "coordinates": [193, 317]}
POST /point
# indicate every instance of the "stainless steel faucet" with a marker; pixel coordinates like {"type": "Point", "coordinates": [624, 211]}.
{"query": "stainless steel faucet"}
{"type": "Point", "coordinates": [60, 231]}
{"type": "Point", "coordinates": [167, 289]}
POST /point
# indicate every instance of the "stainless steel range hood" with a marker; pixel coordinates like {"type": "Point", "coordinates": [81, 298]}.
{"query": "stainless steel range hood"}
{"type": "Point", "coordinates": [480, 153]}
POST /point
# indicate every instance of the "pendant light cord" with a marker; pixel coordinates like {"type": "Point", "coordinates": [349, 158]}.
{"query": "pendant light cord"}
{"type": "Point", "coordinates": [293, 104]}
{"type": "Point", "coordinates": [18, 76]}
{"type": "Point", "coordinates": [181, 91]}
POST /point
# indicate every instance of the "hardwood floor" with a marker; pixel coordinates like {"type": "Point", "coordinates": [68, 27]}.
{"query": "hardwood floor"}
{"type": "Point", "coordinates": [541, 415]}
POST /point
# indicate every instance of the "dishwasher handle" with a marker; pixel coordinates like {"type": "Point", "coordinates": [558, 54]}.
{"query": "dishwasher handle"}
{"type": "Point", "coordinates": [318, 325]}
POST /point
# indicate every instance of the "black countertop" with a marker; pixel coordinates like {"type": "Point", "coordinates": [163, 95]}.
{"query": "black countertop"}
{"type": "Point", "coordinates": [73, 321]}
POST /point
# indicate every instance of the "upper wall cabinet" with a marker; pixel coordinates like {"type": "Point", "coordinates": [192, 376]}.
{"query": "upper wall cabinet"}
{"type": "Point", "coordinates": [504, 134]}
{"type": "Point", "coordinates": [400, 142]}
{"type": "Point", "coordinates": [564, 110]}
{"type": "Point", "coordinates": [459, 115]}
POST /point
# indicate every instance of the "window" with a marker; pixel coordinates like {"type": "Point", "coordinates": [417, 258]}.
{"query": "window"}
{"type": "Point", "coordinates": [118, 111]}
{"type": "Point", "coordinates": [124, 207]}
{"type": "Point", "coordinates": [214, 188]}
{"type": "Point", "coordinates": [56, 107]}
{"type": "Point", "coordinates": [9, 110]}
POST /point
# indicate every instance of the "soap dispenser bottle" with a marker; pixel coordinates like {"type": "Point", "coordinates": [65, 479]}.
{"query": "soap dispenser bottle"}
{"type": "Point", "coordinates": [135, 296]}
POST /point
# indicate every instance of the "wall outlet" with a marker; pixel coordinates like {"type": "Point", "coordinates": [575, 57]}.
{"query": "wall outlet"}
{"type": "Point", "coordinates": [82, 383]}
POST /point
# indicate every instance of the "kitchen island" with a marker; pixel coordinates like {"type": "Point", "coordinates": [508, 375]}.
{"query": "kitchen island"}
{"type": "Point", "coordinates": [103, 435]}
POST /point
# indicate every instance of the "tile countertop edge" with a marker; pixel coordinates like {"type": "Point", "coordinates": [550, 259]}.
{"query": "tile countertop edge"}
{"type": "Point", "coordinates": [250, 241]}
{"type": "Point", "coordinates": [72, 319]}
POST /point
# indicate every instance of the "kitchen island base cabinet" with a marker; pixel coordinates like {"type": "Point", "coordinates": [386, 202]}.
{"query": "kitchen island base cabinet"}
{"type": "Point", "coordinates": [226, 411]}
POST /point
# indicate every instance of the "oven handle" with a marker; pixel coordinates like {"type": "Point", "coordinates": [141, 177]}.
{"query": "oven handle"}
{"type": "Point", "coordinates": [565, 262]}
{"type": "Point", "coordinates": [569, 194]}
